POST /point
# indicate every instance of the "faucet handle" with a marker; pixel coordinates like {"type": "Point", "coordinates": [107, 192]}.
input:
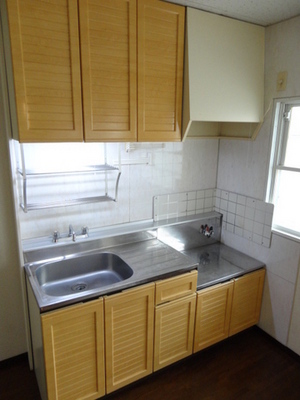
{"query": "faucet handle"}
{"type": "Point", "coordinates": [85, 231]}
{"type": "Point", "coordinates": [55, 237]}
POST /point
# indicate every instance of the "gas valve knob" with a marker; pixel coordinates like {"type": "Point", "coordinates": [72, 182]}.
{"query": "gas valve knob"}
{"type": "Point", "coordinates": [206, 230]}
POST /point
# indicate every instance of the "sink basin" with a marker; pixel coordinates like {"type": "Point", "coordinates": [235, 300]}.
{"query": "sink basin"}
{"type": "Point", "coordinates": [70, 276]}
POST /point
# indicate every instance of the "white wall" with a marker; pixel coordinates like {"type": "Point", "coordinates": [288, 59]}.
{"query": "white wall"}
{"type": "Point", "coordinates": [293, 339]}
{"type": "Point", "coordinates": [243, 168]}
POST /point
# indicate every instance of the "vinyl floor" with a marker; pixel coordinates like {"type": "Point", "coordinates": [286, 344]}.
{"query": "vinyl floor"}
{"type": "Point", "coordinates": [249, 365]}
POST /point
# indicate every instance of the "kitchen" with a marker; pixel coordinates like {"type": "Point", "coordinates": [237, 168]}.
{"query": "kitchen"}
{"type": "Point", "coordinates": [235, 166]}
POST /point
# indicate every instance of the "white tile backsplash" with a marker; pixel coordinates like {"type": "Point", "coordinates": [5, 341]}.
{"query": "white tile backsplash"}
{"type": "Point", "coordinates": [188, 203]}
{"type": "Point", "coordinates": [245, 216]}
{"type": "Point", "coordinates": [241, 200]}
{"type": "Point", "coordinates": [240, 210]}
{"type": "Point", "coordinates": [249, 212]}
{"type": "Point", "coordinates": [239, 221]}
{"type": "Point", "coordinates": [224, 195]}
{"type": "Point", "coordinates": [231, 218]}
{"type": "Point", "coordinates": [231, 207]}
{"type": "Point", "coordinates": [200, 194]}
{"type": "Point", "coordinates": [224, 205]}
{"type": "Point", "coordinates": [248, 226]}
{"type": "Point", "coordinates": [233, 197]}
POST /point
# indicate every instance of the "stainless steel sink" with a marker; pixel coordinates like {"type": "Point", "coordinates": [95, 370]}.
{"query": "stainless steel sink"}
{"type": "Point", "coordinates": [77, 274]}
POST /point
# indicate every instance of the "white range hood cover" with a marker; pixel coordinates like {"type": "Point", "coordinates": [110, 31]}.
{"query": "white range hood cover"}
{"type": "Point", "coordinates": [224, 74]}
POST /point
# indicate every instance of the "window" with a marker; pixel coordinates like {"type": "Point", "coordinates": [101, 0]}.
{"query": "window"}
{"type": "Point", "coordinates": [284, 175]}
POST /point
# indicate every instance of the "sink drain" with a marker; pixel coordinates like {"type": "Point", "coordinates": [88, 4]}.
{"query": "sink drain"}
{"type": "Point", "coordinates": [79, 287]}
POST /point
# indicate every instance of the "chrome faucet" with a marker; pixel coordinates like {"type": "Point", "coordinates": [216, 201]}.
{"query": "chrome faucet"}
{"type": "Point", "coordinates": [72, 233]}
{"type": "Point", "coordinates": [84, 233]}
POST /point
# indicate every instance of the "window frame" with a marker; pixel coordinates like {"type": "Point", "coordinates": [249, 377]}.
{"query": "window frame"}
{"type": "Point", "coordinates": [279, 137]}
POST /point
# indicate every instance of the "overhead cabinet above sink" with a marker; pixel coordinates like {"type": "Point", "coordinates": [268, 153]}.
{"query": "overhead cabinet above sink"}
{"type": "Point", "coordinates": [224, 77]}
{"type": "Point", "coordinates": [97, 70]}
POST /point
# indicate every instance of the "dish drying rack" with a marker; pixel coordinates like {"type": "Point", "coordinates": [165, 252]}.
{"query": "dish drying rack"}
{"type": "Point", "coordinates": [103, 169]}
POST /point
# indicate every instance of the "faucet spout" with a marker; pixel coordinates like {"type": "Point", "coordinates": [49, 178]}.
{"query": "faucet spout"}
{"type": "Point", "coordinates": [72, 233]}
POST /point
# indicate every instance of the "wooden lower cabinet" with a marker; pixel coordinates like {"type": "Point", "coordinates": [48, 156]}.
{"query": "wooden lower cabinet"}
{"type": "Point", "coordinates": [175, 300]}
{"type": "Point", "coordinates": [174, 288]}
{"type": "Point", "coordinates": [74, 352]}
{"type": "Point", "coordinates": [129, 336]}
{"type": "Point", "coordinates": [174, 330]}
{"type": "Point", "coordinates": [228, 308]}
{"type": "Point", "coordinates": [213, 315]}
{"type": "Point", "coordinates": [246, 304]}
{"type": "Point", "coordinates": [74, 337]}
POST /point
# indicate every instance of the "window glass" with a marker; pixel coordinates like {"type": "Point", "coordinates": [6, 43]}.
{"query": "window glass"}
{"type": "Point", "coordinates": [287, 201]}
{"type": "Point", "coordinates": [284, 174]}
{"type": "Point", "coordinates": [292, 155]}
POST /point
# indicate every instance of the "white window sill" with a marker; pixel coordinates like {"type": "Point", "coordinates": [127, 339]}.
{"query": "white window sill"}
{"type": "Point", "coordinates": [286, 235]}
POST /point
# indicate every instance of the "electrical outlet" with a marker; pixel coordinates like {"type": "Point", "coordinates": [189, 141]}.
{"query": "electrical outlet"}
{"type": "Point", "coordinates": [281, 81]}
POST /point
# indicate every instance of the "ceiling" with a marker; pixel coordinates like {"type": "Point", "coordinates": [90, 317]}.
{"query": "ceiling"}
{"type": "Point", "coordinates": [260, 12]}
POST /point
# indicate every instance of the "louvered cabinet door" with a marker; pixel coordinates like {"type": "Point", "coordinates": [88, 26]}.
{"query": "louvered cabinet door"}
{"type": "Point", "coordinates": [176, 287]}
{"type": "Point", "coordinates": [160, 70]}
{"type": "Point", "coordinates": [174, 331]}
{"type": "Point", "coordinates": [74, 352]}
{"type": "Point", "coordinates": [247, 297]}
{"type": "Point", "coordinates": [46, 67]}
{"type": "Point", "coordinates": [212, 315]}
{"type": "Point", "coordinates": [129, 336]}
{"type": "Point", "coordinates": [108, 59]}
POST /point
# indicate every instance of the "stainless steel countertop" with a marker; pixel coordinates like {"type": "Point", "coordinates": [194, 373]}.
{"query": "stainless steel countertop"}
{"type": "Point", "coordinates": [153, 254]}
{"type": "Point", "coordinates": [149, 258]}
{"type": "Point", "coordinates": [219, 263]}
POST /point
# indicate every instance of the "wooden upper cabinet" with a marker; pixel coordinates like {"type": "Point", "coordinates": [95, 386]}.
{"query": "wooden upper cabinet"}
{"type": "Point", "coordinates": [160, 70]}
{"type": "Point", "coordinates": [74, 352]}
{"type": "Point", "coordinates": [46, 65]}
{"type": "Point", "coordinates": [115, 66]}
{"type": "Point", "coordinates": [108, 60]}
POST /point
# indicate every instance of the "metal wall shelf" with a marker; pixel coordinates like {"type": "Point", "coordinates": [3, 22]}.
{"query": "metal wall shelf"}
{"type": "Point", "coordinates": [86, 170]}
{"type": "Point", "coordinates": [90, 169]}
